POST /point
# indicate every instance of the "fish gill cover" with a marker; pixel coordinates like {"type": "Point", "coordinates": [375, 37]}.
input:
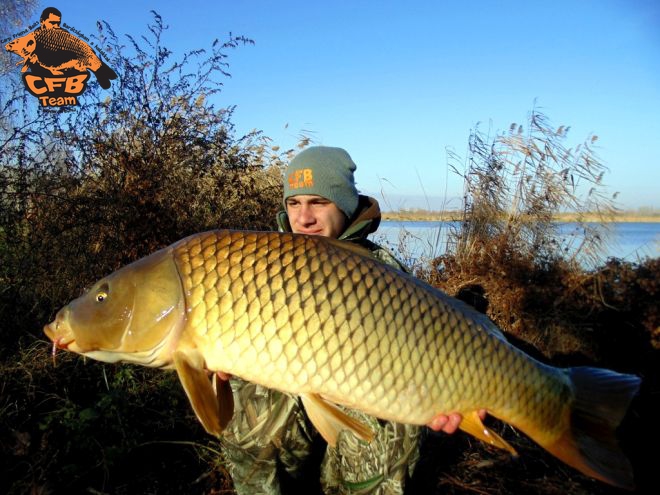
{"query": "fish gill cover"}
{"type": "Point", "coordinates": [56, 63]}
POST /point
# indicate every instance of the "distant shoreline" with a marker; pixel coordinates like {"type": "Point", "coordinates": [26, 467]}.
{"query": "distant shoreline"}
{"type": "Point", "coordinates": [454, 216]}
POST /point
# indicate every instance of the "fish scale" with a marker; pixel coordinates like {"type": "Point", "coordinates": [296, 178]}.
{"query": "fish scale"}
{"type": "Point", "coordinates": [339, 313]}
{"type": "Point", "coordinates": [321, 319]}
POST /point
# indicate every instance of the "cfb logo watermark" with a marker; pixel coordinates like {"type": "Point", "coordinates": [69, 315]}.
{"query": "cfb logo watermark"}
{"type": "Point", "coordinates": [58, 61]}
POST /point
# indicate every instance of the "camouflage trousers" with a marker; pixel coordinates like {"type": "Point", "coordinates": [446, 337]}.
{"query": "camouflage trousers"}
{"type": "Point", "coordinates": [270, 433]}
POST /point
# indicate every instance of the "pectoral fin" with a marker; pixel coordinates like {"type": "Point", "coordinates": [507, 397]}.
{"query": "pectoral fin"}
{"type": "Point", "coordinates": [473, 425]}
{"type": "Point", "coordinates": [213, 405]}
{"type": "Point", "coordinates": [329, 420]}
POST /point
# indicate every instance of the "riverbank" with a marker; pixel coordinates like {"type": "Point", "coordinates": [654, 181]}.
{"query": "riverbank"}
{"type": "Point", "coordinates": [452, 216]}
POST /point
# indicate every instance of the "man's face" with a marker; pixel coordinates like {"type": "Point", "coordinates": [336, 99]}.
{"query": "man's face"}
{"type": "Point", "coordinates": [53, 21]}
{"type": "Point", "coordinates": [316, 215]}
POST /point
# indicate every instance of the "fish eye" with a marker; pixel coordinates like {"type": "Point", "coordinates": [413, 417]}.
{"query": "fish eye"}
{"type": "Point", "coordinates": [102, 293]}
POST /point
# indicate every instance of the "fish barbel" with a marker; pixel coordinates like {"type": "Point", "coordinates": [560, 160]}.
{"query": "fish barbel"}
{"type": "Point", "coordinates": [319, 318]}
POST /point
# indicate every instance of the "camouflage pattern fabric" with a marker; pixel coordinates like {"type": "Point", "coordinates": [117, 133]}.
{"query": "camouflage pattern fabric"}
{"type": "Point", "coordinates": [268, 432]}
{"type": "Point", "coordinates": [380, 467]}
{"type": "Point", "coordinates": [386, 257]}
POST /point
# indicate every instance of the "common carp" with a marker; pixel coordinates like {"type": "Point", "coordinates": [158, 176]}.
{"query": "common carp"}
{"type": "Point", "coordinates": [58, 50]}
{"type": "Point", "coordinates": [321, 319]}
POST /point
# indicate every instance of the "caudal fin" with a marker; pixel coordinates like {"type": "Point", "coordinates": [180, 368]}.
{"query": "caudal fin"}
{"type": "Point", "coordinates": [104, 74]}
{"type": "Point", "coordinates": [601, 400]}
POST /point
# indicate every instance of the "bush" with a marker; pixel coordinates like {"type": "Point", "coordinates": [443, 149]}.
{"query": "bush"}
{"type": "Point", "coordinates": [518, 181]}
{"type": "Point", "coordinates": [553, 299]}
{"type": "Point", "coordinates": [87, 191]}
{"type": "Point", "coordinates": [508, 256]}
{"type": "Point", "coordinates": [82, 193]}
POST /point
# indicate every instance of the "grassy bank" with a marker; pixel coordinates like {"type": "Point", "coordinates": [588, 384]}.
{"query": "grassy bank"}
{"type": "Point", "coordinates": [455, 215]}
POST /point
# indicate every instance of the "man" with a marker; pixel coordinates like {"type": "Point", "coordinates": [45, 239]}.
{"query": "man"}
{"type": "Point", "coordinates": [50, 18]}
{"type": "Point", "coordinates": [270, 439]}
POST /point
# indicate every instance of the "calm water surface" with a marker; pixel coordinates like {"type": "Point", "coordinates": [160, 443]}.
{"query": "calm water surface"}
{"type": "Point", "coordinates": [424, 240]}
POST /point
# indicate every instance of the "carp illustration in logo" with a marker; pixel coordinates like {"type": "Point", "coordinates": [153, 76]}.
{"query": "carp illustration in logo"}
{"type": "Point", "coordinates": [50, 50]}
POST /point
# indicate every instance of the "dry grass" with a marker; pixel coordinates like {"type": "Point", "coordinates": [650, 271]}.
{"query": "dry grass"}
{"type": "Point", "coordinates": [504, 260]}
{"type": "Point", "coordinates": [418, 215]}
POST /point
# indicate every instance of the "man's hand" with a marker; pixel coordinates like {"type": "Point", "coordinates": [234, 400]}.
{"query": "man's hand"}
{"type": "Point", "coordinates": [450, 423]}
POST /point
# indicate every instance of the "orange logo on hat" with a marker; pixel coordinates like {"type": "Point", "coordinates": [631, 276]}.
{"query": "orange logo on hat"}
{"type": "Point", "coordinates": [301, 178]}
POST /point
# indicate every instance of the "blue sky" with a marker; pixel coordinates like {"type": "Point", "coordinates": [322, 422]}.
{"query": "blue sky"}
{"type": "Point", "coordinates": [398, 83]}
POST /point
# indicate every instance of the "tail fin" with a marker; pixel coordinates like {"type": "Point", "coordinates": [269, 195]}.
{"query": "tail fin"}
{"type": "Point", "coordinates": [601, 400]}
{"type": "Point", "coordinates": [104, 74]}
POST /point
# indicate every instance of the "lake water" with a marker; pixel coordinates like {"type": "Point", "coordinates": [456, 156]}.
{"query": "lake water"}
{"type": "Point", "coordinates": [422, 241]}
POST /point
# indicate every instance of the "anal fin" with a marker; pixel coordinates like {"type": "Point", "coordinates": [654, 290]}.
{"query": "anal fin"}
{"type": "Point", "coordinates": [329, 420]}
{"type": "Point", "coordinates": [473, 425]}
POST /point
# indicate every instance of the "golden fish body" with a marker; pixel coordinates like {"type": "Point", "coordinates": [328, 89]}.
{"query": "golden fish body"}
{"type": "Point", "coordinates": [315, 318]}
{"type": "Point", "coordinates": [320, 319]}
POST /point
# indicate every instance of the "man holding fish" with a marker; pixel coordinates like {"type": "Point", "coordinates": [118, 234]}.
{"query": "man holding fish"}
{"type": "Point", "coordinates": [270, 430]}
{"type": "Point", "coordinates": [344, 339]}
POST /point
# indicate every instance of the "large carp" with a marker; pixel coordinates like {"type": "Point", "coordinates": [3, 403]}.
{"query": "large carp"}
{"type": "Point", "coordinates": [321, 319]}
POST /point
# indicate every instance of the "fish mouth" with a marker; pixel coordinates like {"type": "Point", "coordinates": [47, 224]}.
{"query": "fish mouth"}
{"type": "Point", "coordinates": [59, 341]}
{"type": "Point", "coordinates": [60, 344]}
{"type": "Point", "coordinates": [58, 336]}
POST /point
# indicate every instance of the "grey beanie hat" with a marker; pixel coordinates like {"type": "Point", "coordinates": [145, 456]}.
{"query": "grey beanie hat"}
{"type": "Point", "coordinates": [326, 172]}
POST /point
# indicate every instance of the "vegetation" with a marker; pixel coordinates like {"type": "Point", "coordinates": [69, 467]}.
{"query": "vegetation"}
{"type": "Point", "coordinates": [87, 191]}
{"type": "Point", "coordinates": [422, 215]}
{"type": "Point", "coordinates": [14, 16]}
{"type": "Point", "coordinates": [133, 169]}
{"type": "Point", "coordinates": [506, 260]}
